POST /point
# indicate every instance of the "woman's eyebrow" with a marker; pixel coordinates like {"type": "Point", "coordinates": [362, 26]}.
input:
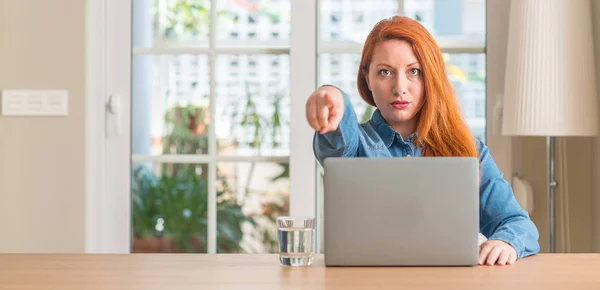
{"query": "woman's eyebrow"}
{"type": "Point", "coordinates": [385, 64]}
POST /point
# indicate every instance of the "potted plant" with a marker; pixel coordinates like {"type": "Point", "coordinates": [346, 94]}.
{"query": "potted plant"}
{"type": "Point", "coordinates": [170, 208]}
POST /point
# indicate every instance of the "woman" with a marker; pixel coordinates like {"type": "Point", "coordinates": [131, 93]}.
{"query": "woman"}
{"type": "Point", "coordinates": [402, 73]}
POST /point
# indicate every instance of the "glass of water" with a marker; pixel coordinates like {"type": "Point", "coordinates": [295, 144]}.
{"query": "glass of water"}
{"type": "Point", "coordinates": [295, 235]}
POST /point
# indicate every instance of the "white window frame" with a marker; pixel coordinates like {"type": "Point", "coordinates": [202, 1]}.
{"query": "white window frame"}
{"type": "Point", "coordinates": [107, 196]}
{"type": "Point", "coordinates": [501, 147]}
{"type": "Point", "coordinates": [107, 170]}
{"type": "Point", "coordinates": [301, 201]}
{"type": "Point", "coordinates": [94, 124]}
{"type": "Point", "coordinates": [107, 157]}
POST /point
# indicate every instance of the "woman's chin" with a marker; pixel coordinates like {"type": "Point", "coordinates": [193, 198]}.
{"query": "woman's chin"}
{"type": "Point", "coordinates": [398, 116]}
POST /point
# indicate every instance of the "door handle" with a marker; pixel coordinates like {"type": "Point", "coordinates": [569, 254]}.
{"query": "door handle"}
{"type": "Point", "coordinates": [114, 108]}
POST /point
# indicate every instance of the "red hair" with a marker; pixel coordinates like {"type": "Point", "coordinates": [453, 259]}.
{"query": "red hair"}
{"type": "Point", "coordinates": [441, 129]}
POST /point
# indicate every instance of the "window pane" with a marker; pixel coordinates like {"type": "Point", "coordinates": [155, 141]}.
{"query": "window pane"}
{"type": "Point", "coordinates": [253, 20]}
{"type": "Point", "coordinates": [459, 20]}
{"type": "Point", "coordinates": [169, 207]}
{"type": "Point", "coordinates": [340, 69]}
{"type": "Point", "coordinates": [467, 75]}
{"type": "Point", "coordinates": [253, 105]}
{"type": "Point", "coordinates": [181, 21]}
{"type": "Point", "coordinates": [170, 104]}
{"type": "Point", "coordinates": [251, 196]}
{"type": "Point", "coordinates": [352, 20]}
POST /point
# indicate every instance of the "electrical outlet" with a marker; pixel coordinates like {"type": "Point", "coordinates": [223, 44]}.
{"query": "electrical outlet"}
{"type": "Point", "coordinates": [35, 102]}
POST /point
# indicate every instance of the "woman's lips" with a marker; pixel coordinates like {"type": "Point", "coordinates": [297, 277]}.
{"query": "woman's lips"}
{"type": "Point", "coordinates": [400, 104]}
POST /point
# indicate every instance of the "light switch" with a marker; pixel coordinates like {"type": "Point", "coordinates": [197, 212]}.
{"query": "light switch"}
{"type": "Point", "coordinates": [35, 102]}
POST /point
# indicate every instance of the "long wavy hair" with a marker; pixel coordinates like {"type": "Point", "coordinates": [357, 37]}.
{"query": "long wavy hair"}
{"type": "Point", "coordinates": [441, 129]}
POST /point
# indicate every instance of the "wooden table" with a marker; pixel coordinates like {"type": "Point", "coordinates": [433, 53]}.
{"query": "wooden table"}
{"type": "Point", "coordinates": [186, 271]}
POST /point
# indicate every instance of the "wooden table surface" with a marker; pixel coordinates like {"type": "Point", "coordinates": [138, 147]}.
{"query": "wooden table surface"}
{"type": "Point", "coordinates": [228, 271]}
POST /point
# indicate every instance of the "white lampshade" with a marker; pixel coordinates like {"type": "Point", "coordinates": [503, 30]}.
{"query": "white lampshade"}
{"type": "Point", "coordinates": [550, 82]}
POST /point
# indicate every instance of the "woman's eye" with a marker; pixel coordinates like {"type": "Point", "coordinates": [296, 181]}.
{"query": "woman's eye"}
{"type": "Point", "coordinates": [414, 71]}
{"type": "Point", "coordinates": [384, 72]}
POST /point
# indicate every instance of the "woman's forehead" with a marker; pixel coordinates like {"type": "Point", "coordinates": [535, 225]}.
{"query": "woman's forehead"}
{"type": "Point", "coordinates": [393, 52]}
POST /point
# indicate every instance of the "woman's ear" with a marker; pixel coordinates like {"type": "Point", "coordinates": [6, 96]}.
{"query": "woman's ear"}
{"type": "Point", "coordinates": [366, 74]}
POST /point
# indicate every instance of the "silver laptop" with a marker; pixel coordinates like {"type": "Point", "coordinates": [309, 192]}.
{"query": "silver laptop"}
{"type": "Point", "coordinates": [401, 211]}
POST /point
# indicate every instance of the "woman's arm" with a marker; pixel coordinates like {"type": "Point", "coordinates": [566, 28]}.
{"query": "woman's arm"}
{"type": "Point", "coordinates": [342, 141]}
{"type": "Point", "coordinates": [501, 217]}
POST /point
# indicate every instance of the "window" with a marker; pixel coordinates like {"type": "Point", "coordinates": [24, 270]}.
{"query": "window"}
{"type": "Point", "coordinates": [212, 107]}
{"type": "Point", "coordinates": [211, 133]}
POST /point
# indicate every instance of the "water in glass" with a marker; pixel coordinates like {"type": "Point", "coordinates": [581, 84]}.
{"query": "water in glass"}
{"type": "Point", "coordinates": [295, 237]}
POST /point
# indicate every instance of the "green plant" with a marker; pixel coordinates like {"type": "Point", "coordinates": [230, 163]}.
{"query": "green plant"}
{"type": "Point", "coordinates": [173, 203]}
{"type": "Point", "coordinates": [250, 119]}
{"type": "Point", "coordinates": [175, 207]}
{"type": "Point", "coordinates": [181, 17]}
{"type": "Point", "coordinates": [366, 116]}
{"type": "Point", "coordinates": [188, 130]}
{"type": "Point", "coordinates": [170, 202]}
{"type": "Point", "coordinates": [278, 206]}
{"type": "Point", "coordinates": [184, 18]}
{"type": "Point", "coordinates": [172, 207]}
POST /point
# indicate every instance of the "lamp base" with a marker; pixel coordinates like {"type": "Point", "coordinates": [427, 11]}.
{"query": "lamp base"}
{"type": "Point", "coordinates": [550, 194]}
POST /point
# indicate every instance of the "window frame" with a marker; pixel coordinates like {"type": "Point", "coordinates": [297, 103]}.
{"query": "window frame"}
{"type": "Point", "coordinates": [301, 201]}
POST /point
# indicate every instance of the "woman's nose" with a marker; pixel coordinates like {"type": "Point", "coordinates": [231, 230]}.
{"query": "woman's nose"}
{"type": "Point", "coordinates": [400, 85]}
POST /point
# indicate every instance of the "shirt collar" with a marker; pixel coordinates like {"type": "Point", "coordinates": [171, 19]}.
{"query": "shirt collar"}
{"type": "Point", "coordinates": [386, 132]}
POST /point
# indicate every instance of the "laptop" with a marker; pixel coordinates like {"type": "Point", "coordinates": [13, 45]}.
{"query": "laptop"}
{"type": "Point", "coordinates": [401, 211]}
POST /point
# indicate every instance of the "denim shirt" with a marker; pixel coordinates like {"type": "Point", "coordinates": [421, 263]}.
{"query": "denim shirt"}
{"type": "Point", "coordinates": [500, 216]}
